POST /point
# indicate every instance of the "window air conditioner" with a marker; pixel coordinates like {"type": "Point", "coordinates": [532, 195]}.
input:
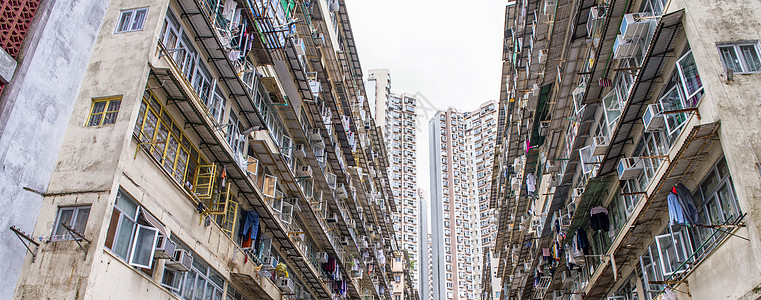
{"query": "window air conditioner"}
{"type": "Point", "coordinates": [599, 145]}
{"type": "Point", "coordinates": [321, 257]}
{"type": "Point", "coordinates": [346, 241]}
{"type": "Point", "coordinates": [304, 171]}
{"type": "Point", "coordinates": [544, 128]}
{"type": "Point", "coordinates": [635, 26]}
{"type": "Point", "coordinates": [624, 48]}
{"type": "Point", "coordinates": [299, 45]}
{"type": "Point", "coordinates": [576, 196]}
{"type": "Point", "coordinates": [332, 218]}
{"type": "Point", "coordinates": [164, 248]}
{"type": "Point", "coordinates": [542, 56]}
{"type": "Point", "coordinates": [549, 6]}
{"type": "Point", "coordinates": [286, 285]}
{"type": "Point", "coordinates": [315, 135]}
{"type": "Point", "coordinates": [182, 261]}
{"type": "Point", "coordinates": [629, 168]}
{"type": "Point", "coordinates": [299, 151]}
{"type": "Point", "coordinates": [351, 223]}
{"type": "Point", "coordinates": [653, 118]}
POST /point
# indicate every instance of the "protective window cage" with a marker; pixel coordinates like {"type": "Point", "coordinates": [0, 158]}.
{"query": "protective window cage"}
{"type": "Point", "coordinates": [131, 20]}
{"type": "Point", "coordinates": [104, 111]}
{"type": "Point", "coordinates": [741, 57]}
{"type": "Point", "coordinates": [73, 217]}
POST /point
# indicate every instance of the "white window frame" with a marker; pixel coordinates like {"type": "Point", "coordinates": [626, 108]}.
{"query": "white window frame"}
{"type": "Point", "coordinates": [668, 259]}
{"type": "Point", "coordinates": [127, 16]}
{"type": "Point", "coordinates": [742, 60]}
{"type": "Point", "coordinates": [64, 234]}
{"type": "Point", "coordinates": [133, 256]}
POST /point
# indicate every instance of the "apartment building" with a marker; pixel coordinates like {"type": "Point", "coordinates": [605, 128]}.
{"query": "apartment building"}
{"type": "Point", "coordinates": [627, 155]}
{"type": "Point", "coordinates": [399, 112]}
{"type": "Point", "coordinates": [44, 50]}
{"type": "Point", "coordinates": [217, 149]}
{"type": "Point", "coordinates": [459, 154]}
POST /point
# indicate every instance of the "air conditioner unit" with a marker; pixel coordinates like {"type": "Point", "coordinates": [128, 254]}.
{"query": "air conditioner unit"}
{"type": "Point", "coordinates": [557, 295]}
{"type": "Point", "coordinates": [321, 257]}
{"type": "Point", "coordinates": [299, 45]}
{"type": "Point", "coordinates": [552, 166]}
{"type": "Point", "coordinates": [624, 48]}
{"type": "Point", "coordinates": [332, 218]}
{"type": "Point", "coordinates": [351, 223]}
{"type": "Point", "coordinates": [315, 135]}
{"type": "Point", "coordinates": [544, 128]}
{"type": "Point", "coordinates": [164, 248]}
{"type": "Point", "coordinates": [549, 6]}
{"type": "Point", "coordinates": [319, 39]}
{"type": "Point", "coordinates": [299, 151]}
{"type": "Point", "coordinates": [653, 118]}
{"type": "Point", "coordinates": [286, 285]}
{"type": "Point", "coordinates": [629, 168]}
{"type": "Point", "coordinates": [346, 241]}
{"type": "Point", "coordinates": [599, 145]}
{"type": "Point", "coordinates": [635, 26]}
{"type": "Point", "coordinates": [315, 86]}
{"type": "Point", "coordinates": [182, 261]}
{"type": "Point", "coordinates": [304, 171]}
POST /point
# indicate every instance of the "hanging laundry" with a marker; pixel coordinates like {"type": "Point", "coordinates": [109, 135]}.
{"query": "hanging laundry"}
{"type": "Point", "coordinates": [531, 183]}
{"type": "Point", "coordinates": [582, 241]}
{"type": "Point", "coordinates": [250, 228]}
{"type": "Point", "coordinates": [598, 218]}
{"type": "Point", "coordinates": [676, 211]}
{"type": "Point", "coordinates": [688, 204]}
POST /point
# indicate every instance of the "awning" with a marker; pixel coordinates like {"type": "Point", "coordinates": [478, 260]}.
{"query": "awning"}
{"type": "Point", "coordinates": [660, 49]}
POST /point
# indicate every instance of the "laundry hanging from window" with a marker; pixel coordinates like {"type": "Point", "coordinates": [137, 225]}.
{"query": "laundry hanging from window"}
{"type": "Point", "coordinates": [682, 210]}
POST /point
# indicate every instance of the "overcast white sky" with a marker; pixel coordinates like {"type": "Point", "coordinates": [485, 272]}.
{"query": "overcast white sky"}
{"type": "Point", "coordinates": [446, 52]}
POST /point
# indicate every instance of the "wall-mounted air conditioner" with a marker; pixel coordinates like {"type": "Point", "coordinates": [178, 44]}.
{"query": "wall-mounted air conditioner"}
{"type": "Point", "coordinates": [164, 248]}
{"type": "Point", "coordinates": [624, 48]}
{"type": "Point", "coordinates": [182, 261]}
{"type": "Point", "coordinates": [321, 257]}
{"type": "Point", "coordinates": [299, 45]}
{"type": "Point", "coordinates": [629, 168]}
{"type": "Point", "coordinates": [542, 56]}
{"type": "Point", "coordinates": [299, 151]}
{"type": "Point", "coordinates": [304, 171]}
{"type": "Point", "coordinates": [599, 145]}
{"type": "Point", "coordinates": [351, 223]}
{"type": "Point", "coordinates": [544, 128]}
{"type": "Point", "coordinates": [341, 190]}
{"type": "Point", "coordinates": [346, 241]}
{"type": "Point", "coordinates": [332, 218]}
{"type": "Point", "coordinates": [286, 285]}
{"type": "Point", "coordinates": [653, 118]}
{"type": "Point", "coordinates": [549, 6]}
{"type": "Point", "coordinates": [576, 195]}
{"type": "Point", "coordinates": [635, 26]}
{"type": "Point", "coordinates": [315, 135]}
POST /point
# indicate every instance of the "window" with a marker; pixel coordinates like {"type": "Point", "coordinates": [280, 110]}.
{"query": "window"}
{"type": "Point", "coordinates": [73, 217]}
{"type": "Point", "coordinates": [201, 282]}
{"type": "Point", "coordinates": [233, 294]}
{"type": "Point", "coordinates": [716, 202]}
{"type": "Point", "coordinates": [164, 139]}
{"type": "Point", "coordinates": [133, 232]}
{"type": "Point", "coordinates": [104, 111]}
{"type": "Point", "coordinates": [131, 20]}
{"type": "Point", "coordinates": [741, 57]}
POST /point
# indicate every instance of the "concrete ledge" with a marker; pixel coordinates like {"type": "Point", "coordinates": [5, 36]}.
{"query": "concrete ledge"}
{"type": "Point", "coordinates": [7, 66]}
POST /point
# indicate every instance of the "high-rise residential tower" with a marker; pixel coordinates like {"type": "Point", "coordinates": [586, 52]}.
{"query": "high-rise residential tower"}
{"type": "Point", "coordinates": [399, 115]}
{"type": "Point", "coordinates": [460, 155]}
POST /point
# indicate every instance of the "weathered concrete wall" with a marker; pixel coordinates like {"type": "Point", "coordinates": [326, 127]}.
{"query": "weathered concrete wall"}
{"type": "Point", "coordinates": [34, 110]}
{"type": "Point", "coordinates": [734, 269]}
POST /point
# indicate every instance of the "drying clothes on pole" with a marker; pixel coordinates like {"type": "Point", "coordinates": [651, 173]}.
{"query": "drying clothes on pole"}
{"type": "Point", "coordinates": [676, 212]}
{"type": "Point", "coordinates": [250, 228]}
{"type": "Point", "coordinates": [598, 219]}
{"type": "Point", "coordinates": [582, 241]}
{"type": "Point", "coordinates": [531, 183]}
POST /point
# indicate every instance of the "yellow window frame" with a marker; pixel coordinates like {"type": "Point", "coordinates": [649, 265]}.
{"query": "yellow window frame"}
{"type": "Point", "coordinates": [111, 106]}
{"type": "Point", "coordinates": [174, 152]}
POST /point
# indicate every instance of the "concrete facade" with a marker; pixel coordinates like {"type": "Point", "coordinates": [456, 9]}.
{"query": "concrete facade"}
{"type": "Point", "coordinates": [196, 133]}
{"type": "Point", "coordinates": [35, 107]}
{"type": "Point", "coordinates": [674, 110]}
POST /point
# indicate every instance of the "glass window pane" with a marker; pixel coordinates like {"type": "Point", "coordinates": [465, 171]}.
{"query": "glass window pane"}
{"type": "Point", "coordinates": [209, 291]}
{"type": "Point", "coordinates": [727, 203]}
{"type": "Point", "coordinates": [691, 79]}
{"type": "Point", "coordinates": [723, 169]}
{"type": "Point", "coordinates": [124, 237]}
{"type": "Point", "coordinates": [729, 56]}
{"type": "Point", "coordinates": [752, 61]}
{"type": "Point", "coordinates": [144, 245]}
{"type": "Point", "coordinates": [190, 278]}
{"type": "Point", "coordinates": [124, 21]}
{"type": "Point", "coordinates": [198, 292]}
{"type": "Point", "coordinates": [64, 217]}
{"type": "Point", "coordinates": [138, 19]}
{"type": "Point", "coordinates": [126, 205]}
{"type": "Point", "coordinates": [83, 213]}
